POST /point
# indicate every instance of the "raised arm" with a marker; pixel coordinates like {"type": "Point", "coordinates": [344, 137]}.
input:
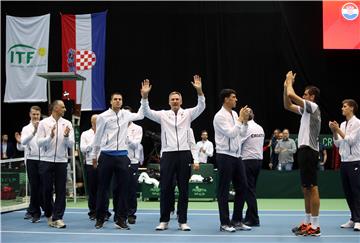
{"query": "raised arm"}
{"type": "Point", "coordinates": [151, 114]}
{"type": "Point", "coordinates": [138, 115]}
{"type": "Point", "coordinates": [200, 107]}
{"type": "Point", "coordinates": [289, 95]}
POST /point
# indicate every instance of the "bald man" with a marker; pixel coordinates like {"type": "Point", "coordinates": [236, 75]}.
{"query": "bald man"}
{"type": "Point", "coordinates": [55, 138]}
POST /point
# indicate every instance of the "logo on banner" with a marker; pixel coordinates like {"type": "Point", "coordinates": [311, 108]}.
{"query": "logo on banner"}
{"type": "Point", "coordinates": [350, 11]}
{"type": "Point", "coordinates": [80, 60]}
{"type": "Point", "coordinates": [21, 54]}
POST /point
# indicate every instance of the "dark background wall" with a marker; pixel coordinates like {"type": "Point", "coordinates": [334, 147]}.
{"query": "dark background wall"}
{"type": "Point", "coordinates": [247, 46]}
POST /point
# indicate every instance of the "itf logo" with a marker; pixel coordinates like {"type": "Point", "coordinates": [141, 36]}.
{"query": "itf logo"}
{"type": "Point", "coordinates": [24, 54]}
{"type": "Point", "coordinates": [350, 11]}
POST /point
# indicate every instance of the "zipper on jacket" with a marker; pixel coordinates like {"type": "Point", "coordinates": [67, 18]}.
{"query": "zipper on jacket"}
{"type": "Point", "coordinates": [229, 144]}
{"type": "Point", "coordinates": [165, 139]}
{"type": "Point", "coordinates": [117, 135]}
{"type": "Point", "coordinates": [57, 133]}
{"type": "Point", "coordinates": [177, 139]}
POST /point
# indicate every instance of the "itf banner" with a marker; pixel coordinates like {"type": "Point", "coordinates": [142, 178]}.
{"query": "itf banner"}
{"type": "Point", "coordinates": [83, 52]}
{"type": "Point", "coordinates": [27, 44]}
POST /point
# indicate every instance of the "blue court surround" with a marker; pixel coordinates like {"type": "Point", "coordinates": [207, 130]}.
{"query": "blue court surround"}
{"type": "Point", "coordinates": [275, 227]}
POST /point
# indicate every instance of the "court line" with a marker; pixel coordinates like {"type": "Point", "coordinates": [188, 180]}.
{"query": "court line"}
{"type": "Point", "coordinates": [217, 214]}
{"type": "Point", "coordinates": [173, 235]}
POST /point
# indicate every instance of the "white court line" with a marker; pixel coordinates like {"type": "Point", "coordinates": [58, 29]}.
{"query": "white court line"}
{"type": "Point", "coordinates": [217, 214]}
{"type": "Point", "coordinates": [172, 235]}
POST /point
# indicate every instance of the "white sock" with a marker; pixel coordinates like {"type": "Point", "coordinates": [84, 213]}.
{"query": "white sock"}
{"type": "Point", "coordinates": [314, 222]}
{"type": "Point", "coordinates": [307, 218]}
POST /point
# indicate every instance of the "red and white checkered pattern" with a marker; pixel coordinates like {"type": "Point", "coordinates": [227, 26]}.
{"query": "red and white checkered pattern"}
{"type": "Point", "coordinates": [85, 60]}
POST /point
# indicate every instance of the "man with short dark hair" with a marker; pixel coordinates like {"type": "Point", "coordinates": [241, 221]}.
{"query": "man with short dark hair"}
{"type": "Point", "coordinates": [109, 152]}
{"type": "Point", "coordinates": [347, 139]}
{"type": "Point", "coordinates": [308, 150]}
{"type": "Point", "coordinates": [205, 148]}
{"type": "Point", "coordinates": [27, 141]}
{"type": "Point", "coordinates": [229, 129]}
{"type": "Point", "coordinates": [55, 138]}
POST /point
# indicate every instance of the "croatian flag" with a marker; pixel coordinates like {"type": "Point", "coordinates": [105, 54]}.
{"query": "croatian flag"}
{"type": "Point", "coordinates": [83, 52]}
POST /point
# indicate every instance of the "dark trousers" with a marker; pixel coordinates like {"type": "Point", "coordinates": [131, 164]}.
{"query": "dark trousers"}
{"type": "Point", "coordinates": [350, 177]}
{"type": "Point", "coordinates": [174, 164]}
{"type": "Point", "coordinates": [107, 167]}
{"type": "Point", "coordinates": [252, 170]}
{"type": "Point", "coordinates": [54, 174]}
{"type": "Point", "coordinates": [133, 182]}
{"type": "Point", "coordinates": [172, 198]}
{"type": "Point", "coordinates": [92, 187]}
{"type": "Point", "coordinates": [33, 172]}
{"type": "Point", "coordinates": [230, 169]}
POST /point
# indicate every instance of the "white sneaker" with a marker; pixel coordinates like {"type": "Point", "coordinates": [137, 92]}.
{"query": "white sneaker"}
{"type": "Point", "coordinates": [227, 228]}
{"type": "Point", "coordinates": [348, 224]}
{"type": "Point", "coordinates": [241, 226]}
{"type": "Point", "coordinates": [162, 226]}
{"type": "Point", "coordinates": [59, 224]}
{"type": "Point", "coordinates": [184, 227]}
{"type": "Point", "coordinates": [357, 226]}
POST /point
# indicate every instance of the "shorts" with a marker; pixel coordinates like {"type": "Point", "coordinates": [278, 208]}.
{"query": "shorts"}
{"type": "Point", "coordinates": [308, 160]}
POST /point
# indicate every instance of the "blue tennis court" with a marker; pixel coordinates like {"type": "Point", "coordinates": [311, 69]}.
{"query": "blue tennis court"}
{"type": "Point", "coordinates": [275, 227]}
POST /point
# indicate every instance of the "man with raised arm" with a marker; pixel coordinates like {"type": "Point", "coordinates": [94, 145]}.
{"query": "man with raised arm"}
{"type": "Point", "coordinates": [308, 150]}
{"type": "Point", "coordinates": [110, 150]}
{"type": "Point", "coordinates": [176, 157]}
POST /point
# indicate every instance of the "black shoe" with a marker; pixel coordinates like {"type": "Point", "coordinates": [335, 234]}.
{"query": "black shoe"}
{"type": "Point", "coordinates": [35, 219]}
{"type": "Point", "coordinates": [107, 216]}
{"type": "Point", "coordinates": [92, 216]}
{"type": "Point", "coordinates": [28, 216]}
{"type": "Point", "coordinates": [131, 219]}
{"type": "Point", "coordinates": [252, 224]}
{"type": "Point", "coordinates": [121, 224]}
{"type": "Point", "coordinates": [99, 223]}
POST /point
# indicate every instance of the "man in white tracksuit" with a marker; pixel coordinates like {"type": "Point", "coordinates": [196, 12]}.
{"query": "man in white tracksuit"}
{"type": "Point", "coordinates": [176, 157]}
{"type": "Point", "coordinates": [347, 139]}
{"type": "Point", "coordinates": [110, 150]}
{"type": "Point", "coordinates": [252, 157]}
{"type": "Point", "coordinates": [204, 148]}
{"type": "Point", "coordinates": [55, 138]}
{"type": "Point", "coordinates": [229, 128]}
{"type": "Point", "coordinates": [28, 141]}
